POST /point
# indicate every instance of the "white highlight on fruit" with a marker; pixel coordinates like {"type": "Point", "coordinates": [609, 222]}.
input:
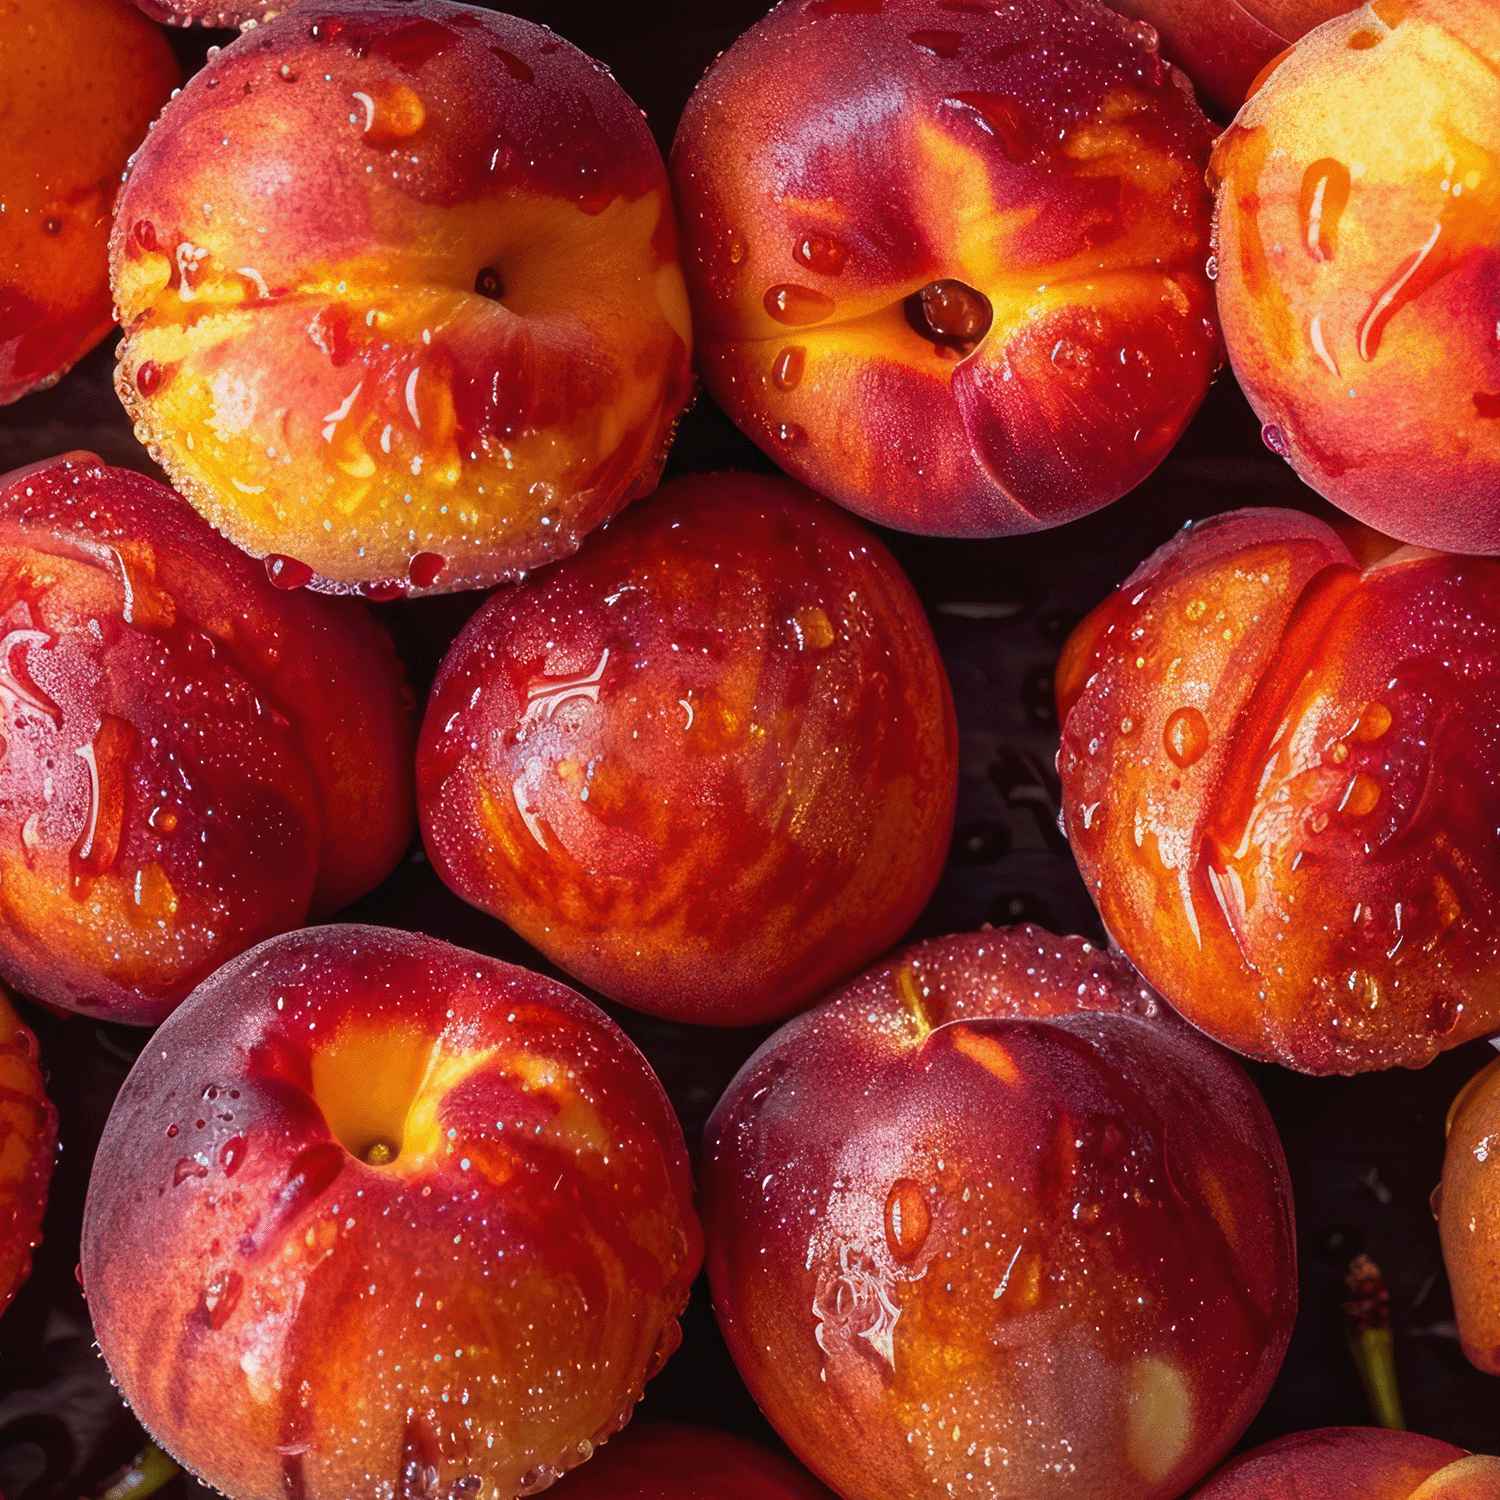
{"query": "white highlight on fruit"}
{"type": "Point", "coordinates": [333, 418]}
{"type": "Point", "coordinates": [411, 396]}
{"type": "Point", "coordinates": [369, 105]}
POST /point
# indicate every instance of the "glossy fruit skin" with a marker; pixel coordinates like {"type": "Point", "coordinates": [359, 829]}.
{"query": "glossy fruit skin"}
{"type": "Point", "coordinates": [1224, 45]}
{"type": "Point", "coordinates": [28, 1144]}
{"type": "Point", "coordinates": [1041, 155]}
{"type": "Point", "coordinates": [1280, 780]}
{"type": "Point", "coordinates": [992, 1222]}
{"type": "Point", "coordinates": [212, 12]}
{"type": "Point", "coordinates": [1358, 233]}
{"type": "Point", "coordinates": [709, 764]}
{"type": "Point", "coordinates": [80, 81]}
{"type": "Point", "coordinates": [289, 1320]}
{"type": "Point", "coordinates": [1468, 1210]}
{"type": "Point", "coordinates": [1356, 1463]}
{"type": "Point", "coordinates": [449, 335]}
{"type": "Point", "coordinates": [194, 759]}
{"type": "Point", "coordinates": [668, 1461]}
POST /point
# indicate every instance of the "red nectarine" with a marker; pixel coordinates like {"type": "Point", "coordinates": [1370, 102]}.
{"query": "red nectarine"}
{"type": "Point", "coordinates": [28, 1139]}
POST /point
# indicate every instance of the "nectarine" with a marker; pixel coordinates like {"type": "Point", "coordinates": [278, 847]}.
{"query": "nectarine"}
{"type": "Point", "coordinates": [374, 1216]}
{"type": "Point", "coordinates": [992, 1222]}
{"type": "Point", "coordinates": [1281, 781]}
{"type": "Point", "coordinates": [401, 296]}
{"type": "Point", "coordinates": [1358, 232]}
{"type": "Point", "coordinates": [1468, 1209]}
{"type": "Point", "coordinates": [1356, 1463]}
{"type": "Point", "coordinates": [28, 1140]}
{"type": "Point", "coordinates": [80, 81]}
{"type": "Point", "coordinates": [709, 764]}
{"type": "Point", "coordinates": [193, 759]}
{"type": "Point", "coordinates": [948, 260]}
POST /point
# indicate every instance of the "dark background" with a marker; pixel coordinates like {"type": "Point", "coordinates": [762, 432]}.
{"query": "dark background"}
{"type": "Point", "coordinates": [1365, 1153]}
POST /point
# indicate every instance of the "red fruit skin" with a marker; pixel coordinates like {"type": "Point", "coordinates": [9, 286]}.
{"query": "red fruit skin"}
{"type": "Point", "coordinates": [211, 12]}
{"type": "Point", "coordinates": [80, 81]}
{"type": "Point", "coordinates": [1357, 225]}
{"type": "Point", "coordinates": [708, 765]}
{"type": "Point", "coordinates": [1280, 781]}
{"type": "Point", "coordinates": [1356, 1463]}
{"type": "Point", "coordinates": [194, 759]}
{"type": "Point", "coordinates": [1224, 45]}
{"type": "Point", "coordinates": [991, 1218]}
{"type": "Point", "coordinates": [667, 1461]}
{"type": "Point", "coordinates": [1468, 1213]}
{"type": "Point", "coordinates": [474, 1316]}
{"type": "Point", "coordinates": [842, 156]}
{"type": "Point", "coordinates": [448, 320]}
{"type": "Point", "coordinates": [28, 1144]}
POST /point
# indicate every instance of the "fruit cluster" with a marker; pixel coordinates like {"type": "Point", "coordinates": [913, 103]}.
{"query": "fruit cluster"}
{"type": "Point", "coordinates": [412, 305]}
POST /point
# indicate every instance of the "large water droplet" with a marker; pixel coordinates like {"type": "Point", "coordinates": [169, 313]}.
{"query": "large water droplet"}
{"type": "Point", "coordinates": [1185, 736]}
{"type": "Point", "coordinates": [797, 306]}
{"type": "Point", "coordinates": [786, 369]}
{"type": "Point", "coordinates": [820, 253]}
{"type": "Point", "coordinates": [1374, 720]}
{"type": "Point", "coordinates": [908, 1220]}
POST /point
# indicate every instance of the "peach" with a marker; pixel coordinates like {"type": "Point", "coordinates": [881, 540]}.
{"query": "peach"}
{"type": "Point", "coordinates": [192, 760]}
{"type": "Point", "coordinates": [1356, 1463]}
{"type": "Point", "coordinates": [224, 13]}
{"type": "Point", "coordinates": [992, 1222]}
{"type": "Point", "coordinates": [28, 1141]}
{"type": "Point", "coordinates": [948, 259]}
{"type": "Point", "coordinates": [80, 81]}
{"type": "Point", "coordinates": [1468, 1209]}
{"type": "Point", "coordinates": [670, 1462]}
{"type": "Point", "coordinates": [376, 1216]}
{"type": "Point", "coordinates": [401, 296]}
{"type": "Point", "coordinates": [709, 764]}
{"type": "Point", "coordinates": [1224, 45]}
{"type": "Point", "coordinates": [1280, 783]}
{"type": "Point", "coordinates": [1358, 232]}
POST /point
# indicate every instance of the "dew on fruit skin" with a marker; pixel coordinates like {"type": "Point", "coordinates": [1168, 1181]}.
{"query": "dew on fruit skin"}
{"type": "Point", "coordinates": [1321, 204]}
{"type": "Point", "coordinates": [944, 44]}
{"type": "Point", "coordinates": [908, 1220]}
{"type": "Point", "coordinates": [1185, 736]}
{"type": "Point", "coordinates": [949, 312]}
{"type": "Point", "coordinates": [148, 377]}
{"type": "Point", "coordinates": [1374, 720]}
{"type": "Point", "coordinates": [790, 434]}
{"type": "Point", "coordinates": [821, 253]}
{"type": "Point", "coordinates": [425, 568]}
{"type": "Point", "coordinates": [1275, 439]}
{"type": "Point", "coordinates": [1000, 117]}
{"type": "Point", "coordinates": [786, 369]}
{"type": "Point", "coordinates": [288, 572]}
{"type": "Point", "coordinates": [797, 306]}
{"type": "Point", "coordinates": [1361, 796]}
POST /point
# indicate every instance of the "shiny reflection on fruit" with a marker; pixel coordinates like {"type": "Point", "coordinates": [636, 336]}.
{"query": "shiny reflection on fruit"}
{"type": "Point", "coordinates": [191, 759]}
{"type": "Point", "coordinates": [1297, 843]}
{"type": "Point", "coordinates": [993, 1222]}
{"type": "Point", "coordinates": [1358, 236]}
{"type": "Point", "coordinates": [471, 1317]}
{"type": "Point", "coordinates": [709, 764]}
{"type": "Point", "coordinates": [987, 226]}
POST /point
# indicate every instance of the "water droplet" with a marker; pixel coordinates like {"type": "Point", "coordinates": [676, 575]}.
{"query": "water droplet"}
{"type": "Point", "coordinates": [143, 231]}
{"type": "Point", "coordinates": [1211, 268]}
{"type": "Point", "coordinates": [287, 572]}
{"type": "Point", "coordinates": [172, 1130]}
{"type": "Point", "coordinates": [1185, 737]}
{"type": "Point", "coordinates": [1324, 196]}
{"type": "Point", "coordinates": [821, 253]}
{"type": "Point", "coordinates": [1001, 117]}
{"type": "Point", "coordinates": [1275, 439]}
{"type": "Point", "coordinates": [52, 226]}
{"type": "Point", "coordinates": [1442, 1014]}
{"type": "Point", "coordinates": [187, 1167]}
{"type": "Point", "coordinates": [786, 369]}
{"type": "Point", "coordinates": [148, 377]}
{"type": "Point", "coordinates": [107, 758]}
{"type": "Point", "coordinates": [488, 284]}
{"type": "Point", "coordinates": [797, 306]}
{"type": "Point", "coordinates": [393, 112]}
{"type": "Point", "coordinates": [908, 1220]}
{"type": "Point", "coordinates": [791, 434]}
{"type": "Point", "coordinates": [232, 1155]}
{"type": "Point", "coordinates": [424, 568]}
{"type": "Point", "coordinates": [162, 819]}
{"type": "Point", "coordinates": [950, 312]}
{"type": "Point", "coordinates": [379, 1153]}
{"type": "Point", "coordinates": [1360, 796]}
{"type": "Point", "coordinates": [286, 73]}
{"type": "Point", "coordinates": [1374, 720]}
{"type": "Point", "coordinates": [737, 247]}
